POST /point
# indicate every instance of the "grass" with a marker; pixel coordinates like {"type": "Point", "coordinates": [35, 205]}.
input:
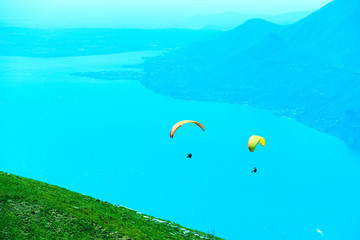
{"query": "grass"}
{"type": "Point", "coordinates": [31, 209]}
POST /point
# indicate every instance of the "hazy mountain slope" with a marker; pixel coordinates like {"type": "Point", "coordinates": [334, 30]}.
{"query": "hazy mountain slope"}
{"type": "Point", "coordinates": [188, 67]}
{"type": "Point", "coordinates": [307, 70]}
{"type": "Point", "coordinates": [34, 210]}
{"type": "Point", "coordinates": [288, 18]}
{"type": "Point", "coordinates": [235, 41]}
{"type": "Point", "coordinates": [223, 21]}
{"type": "Point", "coordinates": [332, 33]}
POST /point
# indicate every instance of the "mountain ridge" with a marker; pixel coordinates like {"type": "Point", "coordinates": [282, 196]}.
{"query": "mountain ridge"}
{"type": "Point", "coordinates": [306, 70]}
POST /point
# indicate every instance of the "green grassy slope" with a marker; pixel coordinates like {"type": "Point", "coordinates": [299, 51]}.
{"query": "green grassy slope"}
{"type": "Point", "coordinates": [31, 209]}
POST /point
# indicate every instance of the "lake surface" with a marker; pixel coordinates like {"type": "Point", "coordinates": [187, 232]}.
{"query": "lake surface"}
{"type": "Point", "coordinates": [110, 140]}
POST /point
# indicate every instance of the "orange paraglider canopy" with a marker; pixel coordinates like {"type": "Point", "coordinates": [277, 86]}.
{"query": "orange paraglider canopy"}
{"type": "Point", "coordinates": [179, 124]}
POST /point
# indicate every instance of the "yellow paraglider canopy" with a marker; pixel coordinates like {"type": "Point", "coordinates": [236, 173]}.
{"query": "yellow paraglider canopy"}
{"type": "Point", "coordinates": [254, 140]}
{"type": "Point", "coordinates": [179, 124]}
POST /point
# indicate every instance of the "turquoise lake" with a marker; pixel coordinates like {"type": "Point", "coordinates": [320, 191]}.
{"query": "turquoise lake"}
{"type": "Point", "coordinates": [110, 140]}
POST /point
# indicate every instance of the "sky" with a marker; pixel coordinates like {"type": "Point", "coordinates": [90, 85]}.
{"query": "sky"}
{"type": "Point", "coordinates": [104, 13]}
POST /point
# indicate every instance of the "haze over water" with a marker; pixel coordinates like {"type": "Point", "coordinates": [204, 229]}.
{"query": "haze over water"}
{"type": "Point", "coordinates": [110, 140]}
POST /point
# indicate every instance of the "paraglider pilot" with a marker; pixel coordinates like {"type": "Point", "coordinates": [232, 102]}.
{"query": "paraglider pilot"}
{"type": "Point", "coordinates": [189, 155]}
{"type": "Point", "coordinates": [254, 170]}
